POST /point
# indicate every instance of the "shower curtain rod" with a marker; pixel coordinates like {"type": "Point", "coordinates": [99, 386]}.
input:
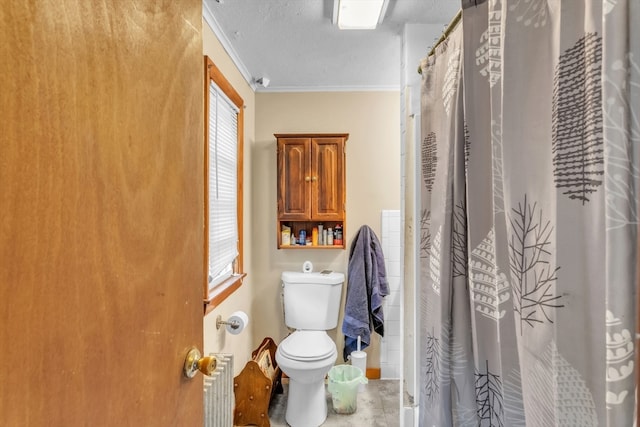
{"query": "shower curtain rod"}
{"type": "Point", "coordinates": [445, 34]}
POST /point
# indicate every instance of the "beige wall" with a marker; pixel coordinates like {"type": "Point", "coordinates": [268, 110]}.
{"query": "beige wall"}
{"type": "Point", "coordinates": [372, 120]}
{"type": "Point", "coordinates": [219, 340]}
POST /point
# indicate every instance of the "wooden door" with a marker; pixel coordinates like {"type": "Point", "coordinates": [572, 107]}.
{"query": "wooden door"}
{"type": "Point", "coordinates": [101, 212]}
{"type": "Point", "coordinates": [327, 175]}
{"type": "Point", "coordinates": [294, 179]}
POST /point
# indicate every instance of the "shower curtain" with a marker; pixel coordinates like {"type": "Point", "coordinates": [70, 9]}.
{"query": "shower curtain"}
{"type": "Point", "coordinates": [528, 233]}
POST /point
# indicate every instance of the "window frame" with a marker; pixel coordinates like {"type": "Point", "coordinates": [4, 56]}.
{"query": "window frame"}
{"type": "Point", "coordinates": [216, 295]}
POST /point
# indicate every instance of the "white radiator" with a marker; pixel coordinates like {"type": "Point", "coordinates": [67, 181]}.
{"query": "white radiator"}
{"type": "Point", "coordinates": [218, 393]}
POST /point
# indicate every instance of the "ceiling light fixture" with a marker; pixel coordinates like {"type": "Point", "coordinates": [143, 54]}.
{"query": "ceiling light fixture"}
{"type": "Point", "coordinates": [358, 14]}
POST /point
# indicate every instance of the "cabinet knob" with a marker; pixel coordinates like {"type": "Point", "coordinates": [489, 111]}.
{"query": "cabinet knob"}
{"type": "Point", "coordinates": [307, 179]}
{"type": "Point", "coordinates": [315, 178]}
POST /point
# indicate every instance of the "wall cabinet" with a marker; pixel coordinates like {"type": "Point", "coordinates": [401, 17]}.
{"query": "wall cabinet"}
{"type": "Point", "coordinates": [311, 186]}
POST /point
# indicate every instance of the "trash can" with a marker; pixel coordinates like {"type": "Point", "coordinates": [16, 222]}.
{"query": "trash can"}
{"type": "Point", "coordinates": [343, 386]}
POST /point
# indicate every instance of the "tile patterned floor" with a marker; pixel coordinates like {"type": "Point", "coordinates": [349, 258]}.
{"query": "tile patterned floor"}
{"type": "Point", "coordinates": [378, 406]}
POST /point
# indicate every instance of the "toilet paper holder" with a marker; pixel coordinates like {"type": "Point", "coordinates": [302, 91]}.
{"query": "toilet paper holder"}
{"type": "Point", "coordinates": [233, 323]}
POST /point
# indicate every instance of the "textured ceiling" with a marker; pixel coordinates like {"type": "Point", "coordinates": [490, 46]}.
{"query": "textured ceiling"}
{"type": "Point", "coordinates": [294, 44]}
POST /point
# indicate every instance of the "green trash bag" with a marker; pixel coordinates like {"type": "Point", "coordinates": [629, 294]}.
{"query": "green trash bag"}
{"type": "Point", "coordinates": [344, 381]}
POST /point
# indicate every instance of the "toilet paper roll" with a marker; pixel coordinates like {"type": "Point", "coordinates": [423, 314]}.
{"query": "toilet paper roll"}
{"type": "Point", "coordinates": [239, 321]}
{"type": "Point", "coordinates": [359, 359]}
{"type": "Point", "coordinates": [307, 267]}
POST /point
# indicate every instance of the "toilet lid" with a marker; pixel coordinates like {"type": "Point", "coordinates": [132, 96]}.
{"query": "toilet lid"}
{"type": "Point", "coordinates": [307, 345]}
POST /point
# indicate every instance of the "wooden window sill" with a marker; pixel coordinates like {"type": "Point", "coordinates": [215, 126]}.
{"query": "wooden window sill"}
{"type": "Point", "coordinates": [221, 292]}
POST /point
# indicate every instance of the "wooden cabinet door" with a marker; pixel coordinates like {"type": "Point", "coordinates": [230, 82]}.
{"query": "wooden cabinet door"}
{"type": "Point", "coordinates": [294, 179]}
{"type": "Point", "coordinates": [101, 212]}
{"type": "Point", "coordinates": [327, 177]}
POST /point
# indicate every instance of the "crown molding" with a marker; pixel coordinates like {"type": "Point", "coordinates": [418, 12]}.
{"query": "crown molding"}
{"type": "Point", "coordinates": [207, 14]}
{"type": "Point", "coordinates": [272, 89]}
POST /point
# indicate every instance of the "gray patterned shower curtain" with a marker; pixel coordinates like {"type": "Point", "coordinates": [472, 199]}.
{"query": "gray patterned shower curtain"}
{"type": "Point", "coordinates": [529, 211]}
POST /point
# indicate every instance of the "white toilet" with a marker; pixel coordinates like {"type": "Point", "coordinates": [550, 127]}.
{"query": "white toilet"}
{"type": "Point", "coordinates": [311, 306]}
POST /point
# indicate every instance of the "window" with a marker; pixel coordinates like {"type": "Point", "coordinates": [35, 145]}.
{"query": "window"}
{"type": "Point", "coordinates": [223, 186]}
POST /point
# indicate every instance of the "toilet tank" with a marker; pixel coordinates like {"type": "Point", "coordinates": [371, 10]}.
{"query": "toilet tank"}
{"type": "Point", "coordinates": [312, 300]}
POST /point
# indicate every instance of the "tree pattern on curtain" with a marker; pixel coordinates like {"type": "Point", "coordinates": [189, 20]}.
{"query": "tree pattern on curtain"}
{"type": "Point", "coordinates": [458, 254]}
{"type": "Point", "coordinates": [489, 287]}
{"type": "Point", "coordinates": [431, 382]}
{"type": "Point", "coordinates": [560, 389]}
{"type": "Point", "coordinates": [530, 12]}
{"type": "Point", "coordinates": [496, 165]}
{"type": "Point", "coordinates": [467, 146]}
{"type": "Point", "coordinates": [489, 52]}
{"type": "Point", "coordinates": [425, 233]}
{"type": "Point", "coordinates": [451, 80]}
{"type": "Point", "coordinates": [578, 152]}
{"type": "Point", "coordinates": [489, 399]}
{"type": "Point", "coordinates": [608, 5]}
{"type": "Point", "coordinates": [434, 261]}
{"type": "Point", "coordinates": [532, 272]}
{"type": "Point", "coordinates": [620, 353]}
{"type": "Point", "coordinates": [429, 160]}
{"type": "Point", "coordinates": [621, 211]}
{"type": "Point", "coordinates": [445, 359]}
{"type": "Point", "coordinates": [513, 410]}
{"type": "Point", "coordinates": [465, 417]}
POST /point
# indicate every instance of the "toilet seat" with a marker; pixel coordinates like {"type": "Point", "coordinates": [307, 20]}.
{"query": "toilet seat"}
{"type": "Point", "coordinates": [307, 346]}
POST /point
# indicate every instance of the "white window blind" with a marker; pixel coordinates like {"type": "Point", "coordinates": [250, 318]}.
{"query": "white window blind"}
{"type": "Point", "coordinates": [223, 162]}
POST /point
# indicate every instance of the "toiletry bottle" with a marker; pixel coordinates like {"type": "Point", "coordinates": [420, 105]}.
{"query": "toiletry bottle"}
{"type": "Point", "coordinates": [329, 236]}
{"type": "Point", "coordinates": [314, 236]}
{"type": "Point", "coordinates": [302, 240]}
{"type": "Point", "coordinates": [286, 238]}
{"type": "Point", "coordinates": [337, 240]}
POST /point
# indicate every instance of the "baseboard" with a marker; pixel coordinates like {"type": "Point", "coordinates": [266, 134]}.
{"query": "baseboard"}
{"type": "Point", "coordinates": [409, 416]}
{"type": "Point", "coordinates": [373, 373]}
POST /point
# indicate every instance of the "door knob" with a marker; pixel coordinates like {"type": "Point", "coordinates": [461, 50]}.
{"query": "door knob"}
{"type": "Point", "coordinates": [194, 362]}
